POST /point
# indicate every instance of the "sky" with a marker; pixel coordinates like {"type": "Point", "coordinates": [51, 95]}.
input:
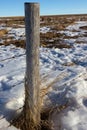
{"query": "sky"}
{"type": "Point", "coordinates": [47, 7]}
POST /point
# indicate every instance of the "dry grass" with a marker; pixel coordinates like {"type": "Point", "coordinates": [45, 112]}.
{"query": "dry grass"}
{"type": "Point", "coordinates": [83, 27]}
{"type": "Point", "coordinates": [56, 44]}
{"type": "Point", "coordinates": [49, 39]}
{"type": "Point", "coordinates": [3, 32]}
{"type": "Point", "coordinates": [45, 123]}
{"type": "Point", "coordinates": [17, 43]}
{"type": "Point", "coordinates": [10, 21]}
{"type": "Point", "coordinates": [22, 124]}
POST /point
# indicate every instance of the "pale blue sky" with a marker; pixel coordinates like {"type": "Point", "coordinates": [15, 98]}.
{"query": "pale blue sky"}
{"type": "Point", "coordinates": [47, 7]}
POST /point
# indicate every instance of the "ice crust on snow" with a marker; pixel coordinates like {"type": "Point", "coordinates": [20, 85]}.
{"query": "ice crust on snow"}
{"type": "Point", "coordinates": [68, 65]}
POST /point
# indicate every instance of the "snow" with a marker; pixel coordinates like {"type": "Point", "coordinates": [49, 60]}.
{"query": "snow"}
{"type": "Point", "coordinates": [69, 33]}
{"type": "Point", "coordinates": [44, 29]}
{"type": "Point", "coordinates": [77, 25]}
{"type": "Point", "coordinates": [2, 26]}
{"type": "Point", "coordinates": [68, 66]}
{"type": "Point", "coordinates": [17, 32]}
{"type": "Point", "coordinates": [74, 30]}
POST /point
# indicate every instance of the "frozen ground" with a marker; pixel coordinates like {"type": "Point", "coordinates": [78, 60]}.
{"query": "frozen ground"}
{"type": "Point", "coordinates": [68, 66]}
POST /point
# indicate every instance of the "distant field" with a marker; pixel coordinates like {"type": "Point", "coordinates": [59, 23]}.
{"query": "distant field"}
{"type": "Point", "coordinates": [52, 25]}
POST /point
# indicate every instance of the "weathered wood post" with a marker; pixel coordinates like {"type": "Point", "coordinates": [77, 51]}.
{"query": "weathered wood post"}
{"type": "Point", "coordinates": [32, 84]}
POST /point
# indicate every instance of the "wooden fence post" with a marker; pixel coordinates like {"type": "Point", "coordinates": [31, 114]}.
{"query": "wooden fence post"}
{"type": "Point", "coordinates": [32, 85]}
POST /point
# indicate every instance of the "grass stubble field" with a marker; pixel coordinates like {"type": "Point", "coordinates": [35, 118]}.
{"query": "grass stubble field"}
{"type": "Point", "coordinates": [49, 39]}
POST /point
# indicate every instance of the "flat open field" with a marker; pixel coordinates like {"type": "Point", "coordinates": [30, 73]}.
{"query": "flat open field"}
{"type": "Point", "coordinates": [51, 30]}
{"type": "Point", "coordinates": [63, 70]}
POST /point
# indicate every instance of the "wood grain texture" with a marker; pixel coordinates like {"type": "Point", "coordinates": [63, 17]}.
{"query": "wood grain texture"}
{"type": "Point", "coordinates": [32, 89]}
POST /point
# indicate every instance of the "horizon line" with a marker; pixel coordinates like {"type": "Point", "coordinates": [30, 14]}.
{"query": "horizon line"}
{"type": "Point", "coordinates": [47, 15]}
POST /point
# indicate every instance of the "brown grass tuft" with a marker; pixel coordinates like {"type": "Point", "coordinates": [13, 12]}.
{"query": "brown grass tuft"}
{"type": "Point", "coordinates": [21, 123]}
{"type": "Point", "coordinates": [83, 27]}
{"type": "Point", "coordinates": [3, 32]}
